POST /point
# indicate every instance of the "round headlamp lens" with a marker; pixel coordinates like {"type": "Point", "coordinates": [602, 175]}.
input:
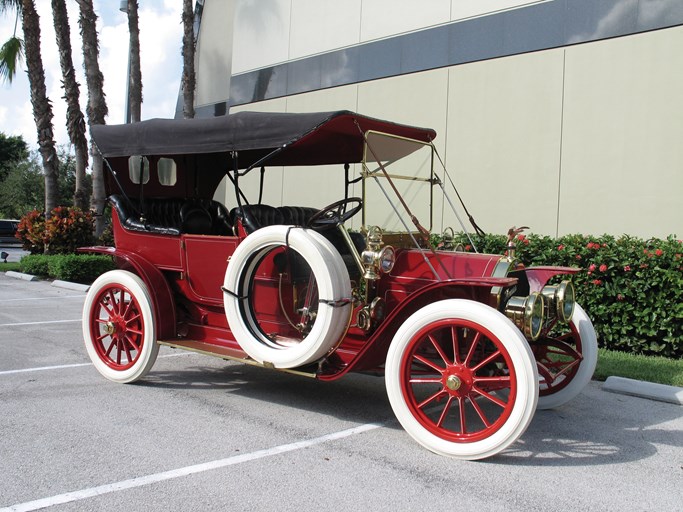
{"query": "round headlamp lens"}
{"type": "Point", "coordinates": [387, 258]}
{"type": "Point", "coordinates": [566, 299]}
{"type": "Point", "coordinates": [536, 314]}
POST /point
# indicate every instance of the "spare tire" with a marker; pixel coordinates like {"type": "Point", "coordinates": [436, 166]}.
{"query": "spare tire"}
{"type": "Point", "coordinates": [334, 305]}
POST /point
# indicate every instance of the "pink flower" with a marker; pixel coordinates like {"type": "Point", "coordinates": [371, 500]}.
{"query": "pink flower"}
{"type": "Point", "coordinates": [597, 282]}
{"type": "Point", "coordinates": [603, 268]}
{"type": "Point", "coordinates": [578, 256]}
{"type": "Point", "coordinates": [560, 247]}
{"type": "Point", "coordinates": [627, 268]}
{"type": "Point", "coordinates": [592, 267]}
{"type": "Point", "coordinates": [659, 252]}
{"type": "Point", "coordinates": [468, 247]}
{"type": "Point", "coordinates": [620, 297]}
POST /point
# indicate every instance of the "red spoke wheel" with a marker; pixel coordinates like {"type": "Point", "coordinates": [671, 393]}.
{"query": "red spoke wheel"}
{"type": "Point", "coordinates": [461, 379]}
{"type": "Point", "coordinates": [566, 363]}
{"type": "Point", "coordinates": [118, 327]}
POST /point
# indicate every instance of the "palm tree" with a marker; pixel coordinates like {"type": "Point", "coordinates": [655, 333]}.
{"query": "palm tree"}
{"type": "Point", "coordinates": [97, 104]}
{"type": "Point", "coordinates": [188, 60]}
{"type": "Point", "coordinates": [135, 75]}
{"type": "Point", "coordinates": [42, 109]}
{"type": "Point", "coordinates": [75, 121]}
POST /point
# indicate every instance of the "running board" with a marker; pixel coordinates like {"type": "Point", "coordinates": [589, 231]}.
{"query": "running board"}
{"type": "Point", "coordinates": [227, 354]}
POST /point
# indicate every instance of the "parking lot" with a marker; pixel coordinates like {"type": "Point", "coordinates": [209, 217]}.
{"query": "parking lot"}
{"type": "Point", "coordinates": [203, 434]}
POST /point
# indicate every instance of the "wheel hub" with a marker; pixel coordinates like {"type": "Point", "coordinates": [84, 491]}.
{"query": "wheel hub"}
{"type": "Point", "coordinates": [110, 328]}
{"type": "Point", "coordinates": [453, 382]}
{"type": "Point", "coordinates": [457, 380]}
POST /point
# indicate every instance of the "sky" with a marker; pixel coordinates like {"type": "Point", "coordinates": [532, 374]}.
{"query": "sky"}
{"type": "Point", "coordinates": [161, 63]}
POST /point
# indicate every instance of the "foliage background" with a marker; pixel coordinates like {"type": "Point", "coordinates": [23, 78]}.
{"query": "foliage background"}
{"type": "Point", "coordinates": [22, 182]}
{"type": "Point", "coordinates": [632, 289]}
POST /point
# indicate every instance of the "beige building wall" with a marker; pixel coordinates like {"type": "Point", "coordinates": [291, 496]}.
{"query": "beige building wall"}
{"type": "Point", "coordinates": [214, 53]}
{"type": "Point", "coordinates": [582, 139]}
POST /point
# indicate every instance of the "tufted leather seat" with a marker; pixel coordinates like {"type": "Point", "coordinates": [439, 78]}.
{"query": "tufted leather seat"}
{"type": "Point", "coordinates": [173, 216]}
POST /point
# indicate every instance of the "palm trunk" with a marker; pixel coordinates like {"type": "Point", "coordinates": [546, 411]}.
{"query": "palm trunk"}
{"type": "Point", "coordinates": [97, 105]}
{"type": "Point", "coordinates": [75, 121]}
{"type": "Point", "coordinates": [42, 109]}
{"type": "Point", "coordinates": [135, 84]}
{"type": "Point", "coordinates": [189, 80]}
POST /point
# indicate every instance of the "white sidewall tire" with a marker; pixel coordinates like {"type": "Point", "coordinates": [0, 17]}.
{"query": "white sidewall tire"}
{"type": "Point", "coordinates": [332, 281]}
{"type": "Point", "coordinates": [589, 351]}
{"type": "Point", "coordinates": [522, 361]}
{"type": "Point", "coordinates": [150, 348]}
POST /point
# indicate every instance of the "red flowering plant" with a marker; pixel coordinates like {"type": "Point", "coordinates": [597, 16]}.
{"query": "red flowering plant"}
{"type": "Point", "coordinates": [65, 230]}
{"type": "Point", "coordinates": [632, 289]}
{"type": "Point", "coordinates": [30, 232]}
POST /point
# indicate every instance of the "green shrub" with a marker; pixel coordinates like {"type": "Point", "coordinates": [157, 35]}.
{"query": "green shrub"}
{"type": "Point", "coordinates": [35, 264]}
{"type": "Point", "coordinates": [65, 231]}
{"type": "Point", "coordinates": [632, 289]}
{"type": "Point", "coordinates": [80, 268]}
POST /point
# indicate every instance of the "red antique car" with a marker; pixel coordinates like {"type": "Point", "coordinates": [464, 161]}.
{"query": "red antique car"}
{"type": "Point", "coordinates": [469, 344]}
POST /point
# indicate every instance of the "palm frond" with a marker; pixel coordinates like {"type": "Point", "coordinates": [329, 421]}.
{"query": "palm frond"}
{"type": "Point", "coordinates": [11, 53]}
{"type": "Point", "coordinates": [7, 5]}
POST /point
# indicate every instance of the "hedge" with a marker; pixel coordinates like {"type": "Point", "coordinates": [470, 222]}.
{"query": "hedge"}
{"type": "Point", "coordinates": [79, 268]}
{"type": "Point", "coordinates": [632, 289]}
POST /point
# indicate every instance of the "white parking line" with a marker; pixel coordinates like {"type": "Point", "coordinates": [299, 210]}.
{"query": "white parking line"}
{"type": "Point", "coordinates": [60, 297]}
{"type": "Point", "coordinates": [43, 323]}
{"type": "Point", "coordinates": [188, 470]}
{"type": "Point", "coordinates": [76, 365]}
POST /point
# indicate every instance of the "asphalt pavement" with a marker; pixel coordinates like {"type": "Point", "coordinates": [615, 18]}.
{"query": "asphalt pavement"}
{"type": "Point", "coordinates": [203, 434]}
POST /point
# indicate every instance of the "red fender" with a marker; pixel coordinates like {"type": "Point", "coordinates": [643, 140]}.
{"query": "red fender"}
{"type": "Point", "coordinates": [374, 351]}
{"type": "Point", "coordinates": [162, 298]}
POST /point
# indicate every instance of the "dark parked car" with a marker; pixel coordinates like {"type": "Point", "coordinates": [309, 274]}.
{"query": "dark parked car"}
{"type": "Point", "coordinates": [470, 344]}
{"type": "Point", "coordinates": [8, 229]}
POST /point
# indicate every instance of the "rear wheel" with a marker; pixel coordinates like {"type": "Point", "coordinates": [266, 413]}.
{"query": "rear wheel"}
{"type": "Point", "coordinates": [461, 379]}
{"type": "Point", "coordinates": [566, 362]}
{"type": "Point", "coordinates": [118, 327]}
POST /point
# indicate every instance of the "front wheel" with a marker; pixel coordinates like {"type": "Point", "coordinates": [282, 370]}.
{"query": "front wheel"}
{"type": "Point", "coordinates": [566, 362]}
{"type": "Point", "coordinates": [118, 327]}
{"type": "Point", "coordinates": [461, 379]}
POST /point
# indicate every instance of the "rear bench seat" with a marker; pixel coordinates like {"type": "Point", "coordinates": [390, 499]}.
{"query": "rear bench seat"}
{"type": "Point", "coordinates": [173, 216]}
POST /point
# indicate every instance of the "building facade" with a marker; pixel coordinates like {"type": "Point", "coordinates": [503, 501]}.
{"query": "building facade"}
{"type": "Point", "coordinates": [563, 115]}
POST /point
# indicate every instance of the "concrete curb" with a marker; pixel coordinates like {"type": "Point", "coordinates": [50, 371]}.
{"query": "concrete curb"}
{"type": "Point", "coordinates": [78, 287]}
{"type": "Point", "coordinates": [642, 389]}
{"type": "Point", "coordinates": [19, 275]}
{"type": "Point", "coordinates": [71, 286]}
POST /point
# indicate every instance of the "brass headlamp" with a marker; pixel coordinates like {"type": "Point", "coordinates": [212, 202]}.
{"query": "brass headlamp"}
{"type": "Point", "coordinates": [527, 313]}
{"type": "Point", "coordinates": [377, 258]}
{"type": "Point", "coordinates": [561, 299]}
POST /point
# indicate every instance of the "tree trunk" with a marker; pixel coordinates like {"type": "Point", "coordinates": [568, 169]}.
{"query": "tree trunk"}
{"type": "Point", "coordinates": [189, 81]}
{"type": "Point", "coordinates": [135, 77]}
{"type": "Point", "coordinates": [42, 109]}
{"type": "Point", "coordinates": [75, 121]}
{"type": "Point", "coordinates": [97, 105]}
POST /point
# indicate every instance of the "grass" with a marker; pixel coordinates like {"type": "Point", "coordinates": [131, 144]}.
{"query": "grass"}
{"type": "Point", "coordinates": [11, 265]}
{"type": "Point", "coordinates": [652, 369]}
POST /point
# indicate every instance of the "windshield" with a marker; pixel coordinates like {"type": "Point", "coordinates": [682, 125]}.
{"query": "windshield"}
{"type": "Point", "coordinates": [397, 170]}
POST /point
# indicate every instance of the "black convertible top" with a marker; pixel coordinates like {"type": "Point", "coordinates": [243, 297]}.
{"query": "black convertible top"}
{"type": "Point", "coordinates": [293, 139]}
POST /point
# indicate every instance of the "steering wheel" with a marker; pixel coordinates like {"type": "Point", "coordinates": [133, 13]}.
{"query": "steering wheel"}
{"type": "Point", "coordinates": [335, 214]}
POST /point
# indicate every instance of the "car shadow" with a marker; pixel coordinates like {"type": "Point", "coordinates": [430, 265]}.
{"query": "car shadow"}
{"type": "Point", "coordinates": [596, 428]}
